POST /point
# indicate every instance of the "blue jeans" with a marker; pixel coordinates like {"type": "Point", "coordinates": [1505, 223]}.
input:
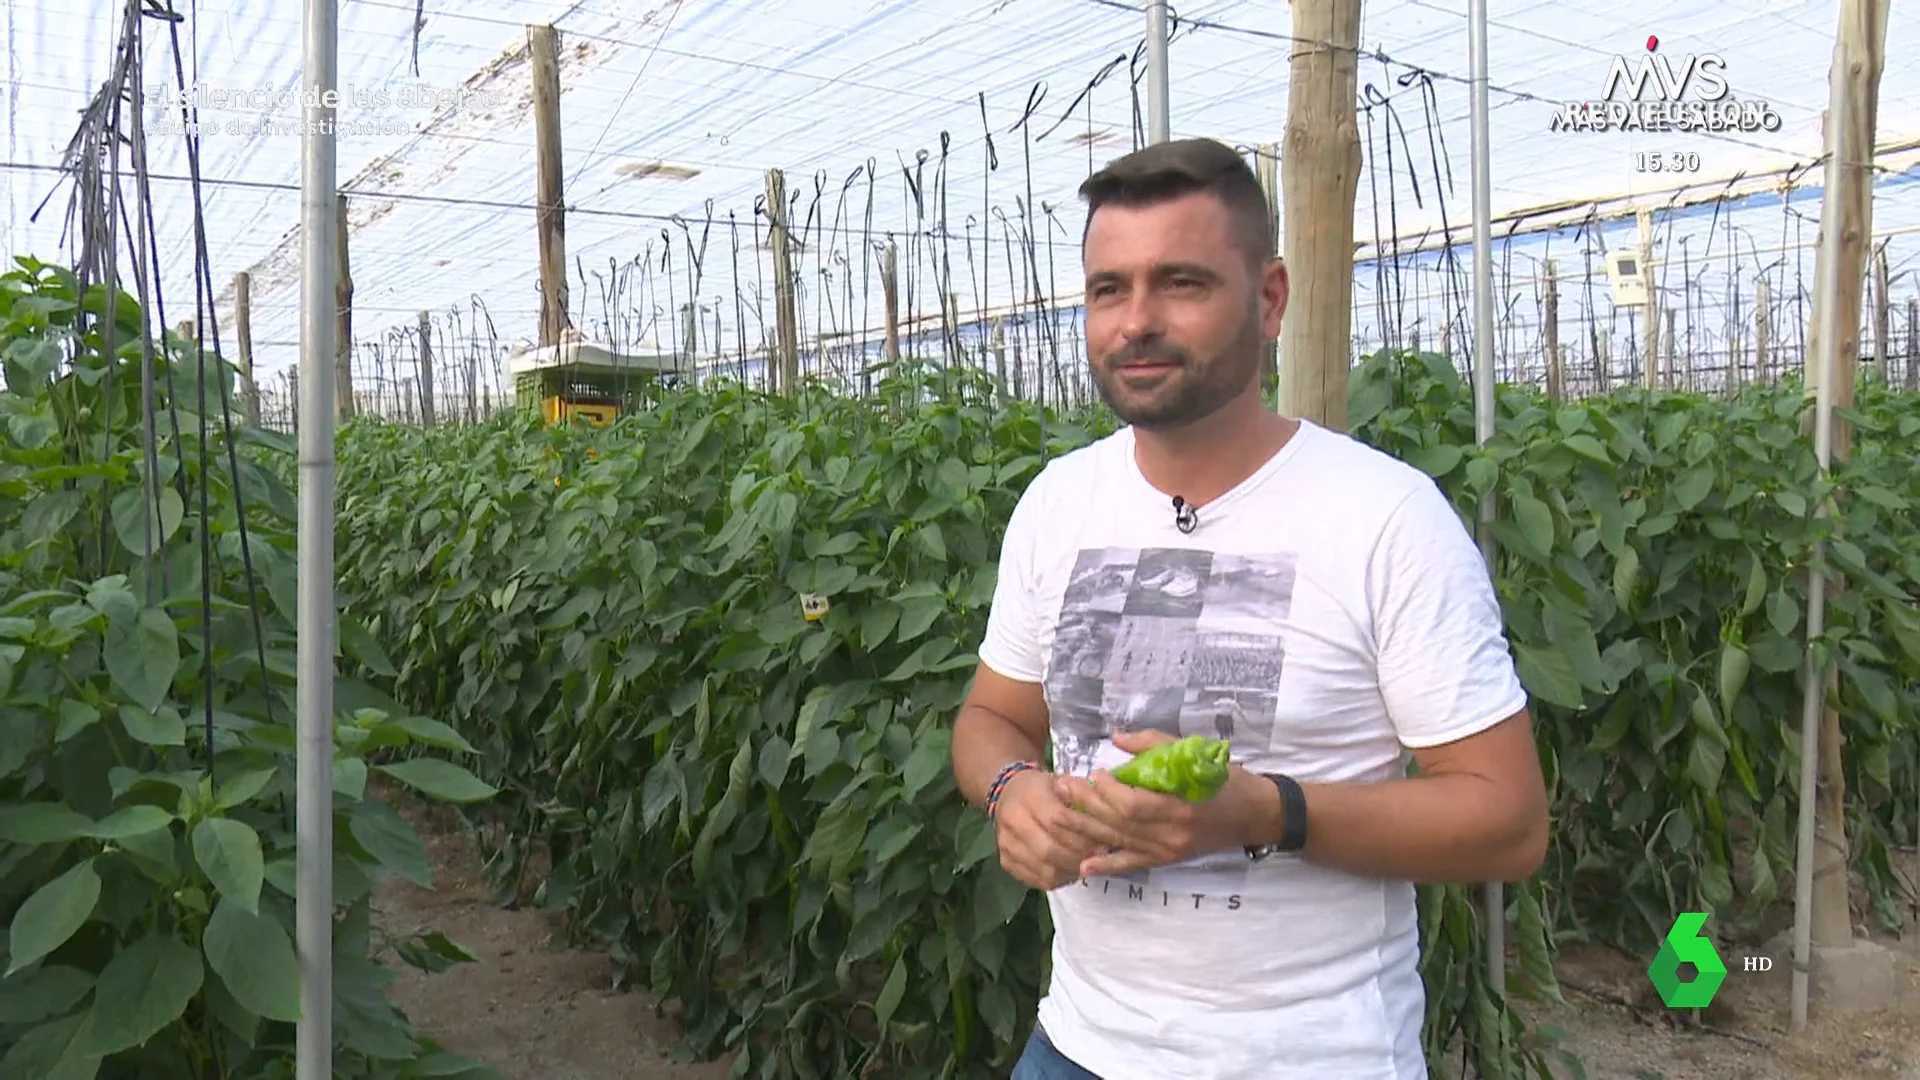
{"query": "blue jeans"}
{"type": "Point", "coordinates": [1040, 1061]}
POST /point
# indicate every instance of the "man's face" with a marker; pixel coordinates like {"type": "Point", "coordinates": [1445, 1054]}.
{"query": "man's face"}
{"type": "Point", "coordinates": [1176, 311]}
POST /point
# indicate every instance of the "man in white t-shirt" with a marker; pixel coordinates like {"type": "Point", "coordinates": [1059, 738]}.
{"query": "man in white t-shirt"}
{"type": "Point", "coordinates": [1216, 569]}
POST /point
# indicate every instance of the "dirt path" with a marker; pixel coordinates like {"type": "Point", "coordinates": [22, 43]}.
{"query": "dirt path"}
{"type": "Point", "coordinates": [536, 1013]}
{"type": "Point", "coordinates": [527, 1009]}
{"type": "Point", "coordinates": [1613, 1022]}
{"type": "Point", "coordinates": [1619, 1029]}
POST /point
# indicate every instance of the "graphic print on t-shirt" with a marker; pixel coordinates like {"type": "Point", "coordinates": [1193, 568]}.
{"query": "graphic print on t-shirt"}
{"type": "Point", "coordinates": [1183, 641]}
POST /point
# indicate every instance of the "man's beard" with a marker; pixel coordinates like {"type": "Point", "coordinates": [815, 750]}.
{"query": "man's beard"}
{"type": "Point", "coordinates": [1191, 392]}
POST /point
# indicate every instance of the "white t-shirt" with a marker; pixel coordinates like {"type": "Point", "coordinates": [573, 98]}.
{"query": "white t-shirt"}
{"type": "Point", "coordinates": [1325, 615]}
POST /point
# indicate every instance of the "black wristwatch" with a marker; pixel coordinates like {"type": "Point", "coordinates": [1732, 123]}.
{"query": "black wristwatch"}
{"type": "Point", "coordinates": [1293, 820]}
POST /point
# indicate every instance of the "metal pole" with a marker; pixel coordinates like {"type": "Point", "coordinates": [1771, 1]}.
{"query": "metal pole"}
{"type": "Point", "coordinates": [1157, 99]}
{"type": "Point", "coordinates": [1814, 699]}
{"type": "Point", "coordinates": [319, 240]}
{"type": "Point", "coordinates": [1484, 389]}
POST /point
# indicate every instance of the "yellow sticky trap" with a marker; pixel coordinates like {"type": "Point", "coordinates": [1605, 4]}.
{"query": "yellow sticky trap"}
{"type": "Point", "coordinates": [814, 607]}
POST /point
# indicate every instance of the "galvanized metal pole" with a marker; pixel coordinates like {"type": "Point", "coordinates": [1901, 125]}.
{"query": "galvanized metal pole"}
{"type": "Point", "coordinates": [319, 256]}
{"type": "Point", "coordinates": [1484, 389]}
{"type": "Point", "coordinates": [1158, 113]}
{"type": "Point", "coordinates": [1813, 703]}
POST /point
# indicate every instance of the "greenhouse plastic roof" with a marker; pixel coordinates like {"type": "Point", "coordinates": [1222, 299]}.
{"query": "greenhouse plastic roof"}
{"type": "Point", "coordinates": [676, 109]}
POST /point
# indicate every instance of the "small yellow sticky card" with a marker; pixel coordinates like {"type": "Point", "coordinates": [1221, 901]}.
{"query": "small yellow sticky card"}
{"type": "Point", "coordinates": [814, 607]}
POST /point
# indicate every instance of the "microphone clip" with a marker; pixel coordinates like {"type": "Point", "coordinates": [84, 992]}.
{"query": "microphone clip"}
{"type": "Point", "coordinates": [1185, 517]}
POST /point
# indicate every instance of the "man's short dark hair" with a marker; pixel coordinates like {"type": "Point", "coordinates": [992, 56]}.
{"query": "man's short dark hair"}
{"type": "Point", "coordinates": [1170, 170]}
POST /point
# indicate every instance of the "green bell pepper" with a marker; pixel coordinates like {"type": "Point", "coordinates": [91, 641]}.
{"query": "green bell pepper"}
{"type": "Point", "coordinates": [1194, 768]}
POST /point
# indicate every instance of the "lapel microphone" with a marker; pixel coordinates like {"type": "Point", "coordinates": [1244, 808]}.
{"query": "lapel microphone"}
{"type": "Point", "coordinates": [1185, 517]}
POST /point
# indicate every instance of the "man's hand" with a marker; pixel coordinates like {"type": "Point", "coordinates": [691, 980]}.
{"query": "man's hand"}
{"type": "Point", "coordinates": [1148, 829]}
{"type": "Point", "coordinates": [1043, 841]}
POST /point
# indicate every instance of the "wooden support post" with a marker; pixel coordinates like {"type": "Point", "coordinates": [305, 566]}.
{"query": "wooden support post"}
{"type": "Point", "coordinates": [1863, 29]}
{"type": "Point", "coordinates": [243, 337]}
{"type": "Point", "coordinates": [1669, 350]}
{"type": "Point", "coordinates": [890, 294]}
{"type": "Point", "coordinates": [1650, 314]}
{"type": "Point", "coordinates": [784, 370]}
{"type": "Point", "coordinates": [1321, 175]}
{"type": "Point", "coordinates": [1882, 308]}
{"type": "Point", "coordinates": [427, 418]}
{"type": "Point", "coordinates": [344, 406]}
{"type": "Point", "coordinates": [1762, 326]}
{"type": "Point", "coordinates": [543, 42]}
{"type": "Point", "coordinates": [1913, 345]}
{"type": "Point", "coordinates": [1550, 330]}
{"type": "Point", "coordinates": [1000, 357]}
{"type": "Point", "coordinates": [1267, 163]}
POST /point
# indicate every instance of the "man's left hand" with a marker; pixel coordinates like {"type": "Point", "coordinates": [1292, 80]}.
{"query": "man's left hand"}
{"type": "Point", "coordinates": [1157, 829]}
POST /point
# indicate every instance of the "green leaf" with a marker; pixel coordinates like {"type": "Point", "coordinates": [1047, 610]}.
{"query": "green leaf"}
{"type": "Point", "coordinates": [1694, 486]}
{"type": "Point", "coordinates": [432, 732]}
{"type": "Point", "coordinates": [75, 717]}
{"type": "Point", "coordinates": [1756, 587]}
{"type": "Point", "coordinates": [1588, 447]}
{"type": "Point", "coordinates": [930, 758]}
{"type": "Point", "coordinates": [253, 955]}
{"type": "Point", "coordinates": [891, 993]}
{"type": "Point", "coordinates": [143, 658]}
{"type": "Point", "coordinates": [391, 841]}
{"type": "Point", "coordinates": [229, 852]}
{"type": "Point", "coordinates": [52, 915]}
{"type": "Point", "coordinates": [43, 993]}
{"type": "Point", "coordinates": [1626, 574]}
{"type": "Point", "coordinates": [58, 1050]}
{"type": "Point", "coordinates": [441, 780]}
{"type": "Point", "coordinates": [131, 821]}
{"type": "Point", "coordinates": [161, 727]}
{"type": "Point", "coordinates": [144, 988]}
{"type": "Point", "coordinates": [1536, 524]}
{"type": "Point", "coordinates": [1548, 674]}
{"type": "Point", "coordinates": [1437, 461]}
{"type": "Point", "coordinates": [997, 897]}
{"type": "Point", "coordinates": [239, 789]}
{"type": "Point", "coordinates": [1734, 665]}
{"type": "Point", "coordinates": [837, 837]}
{"type": "Point", "coordinates": [1482, 474]}
{"type": "Point", "coordinates": [350, 777]}
{"type": "Point", "coordinates": [43, 823]}
{"type": "Point", "coordinates": [917, 614]}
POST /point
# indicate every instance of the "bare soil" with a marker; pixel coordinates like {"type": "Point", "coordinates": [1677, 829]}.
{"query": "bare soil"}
{"type": "Point", "coordinates": [527, 1008]}
{"type": "Point", "coordinates": [1619, 1029]}
{"type": "Point", "coordinates": [537, 1012]}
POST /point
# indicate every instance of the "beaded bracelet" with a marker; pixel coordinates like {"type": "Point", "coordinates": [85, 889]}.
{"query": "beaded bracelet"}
{"type": "Point", "coordinates": [1007, 772]}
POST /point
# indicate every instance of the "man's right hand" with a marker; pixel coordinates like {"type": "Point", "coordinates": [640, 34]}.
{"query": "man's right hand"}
{"type": "Point", "coordinates": [1043, 841]}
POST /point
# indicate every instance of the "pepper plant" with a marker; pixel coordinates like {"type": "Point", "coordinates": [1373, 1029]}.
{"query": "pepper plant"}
{"type": "Point", "coordinates": [1654, 549]}
{"type": "Point", "coordinates": [711, 655]}
{"type": "Point", "coordinates": [147, 747]}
